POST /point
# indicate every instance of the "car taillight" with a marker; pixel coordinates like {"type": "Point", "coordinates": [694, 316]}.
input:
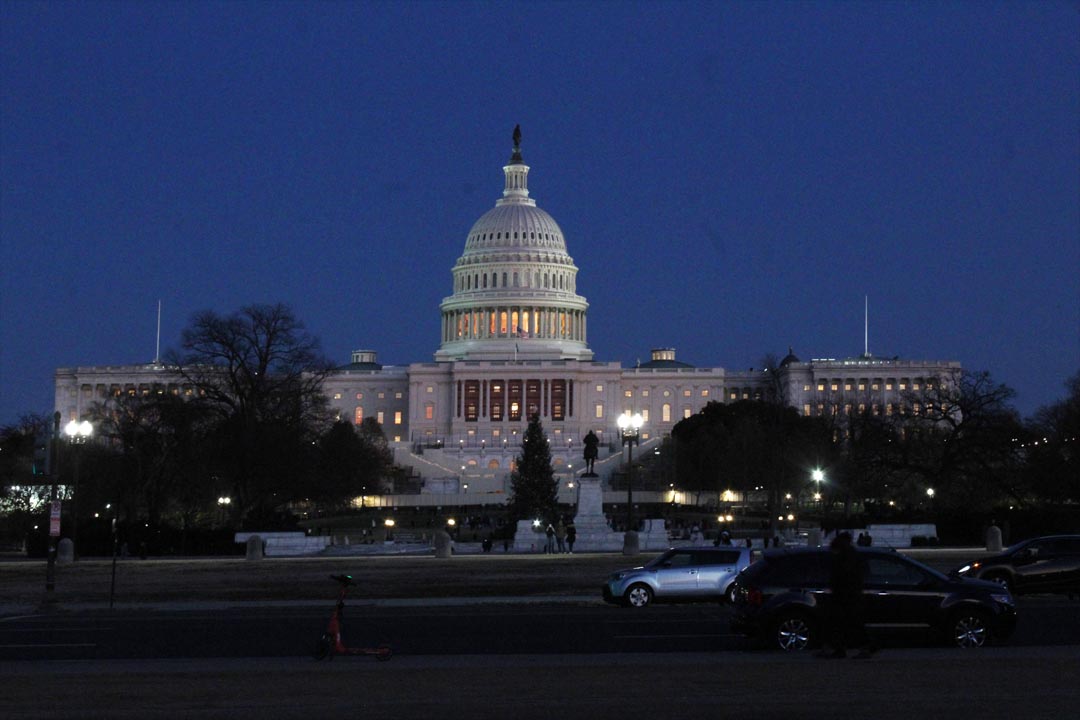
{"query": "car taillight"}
{"type": "Point", "coordinates": [754, 597]}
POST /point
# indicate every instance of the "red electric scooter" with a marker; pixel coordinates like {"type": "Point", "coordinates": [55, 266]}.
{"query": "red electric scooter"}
{"type": "Point", "coordinates": [330, 643]}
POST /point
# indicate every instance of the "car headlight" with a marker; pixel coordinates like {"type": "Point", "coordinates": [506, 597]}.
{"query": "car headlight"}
{"type": "Point", "coordinates": [964, 569]}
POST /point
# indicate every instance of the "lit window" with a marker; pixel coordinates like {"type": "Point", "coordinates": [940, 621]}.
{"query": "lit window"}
{"type": "Point", "coordinates": [686, 393]}
{"type": "Point", "coordinates": [888, 386]}
{"type": "Point", "coordinates": [599, 410]}
{"type": "Point", "coordinates": [806, 410]}
{"type": "Point", "coordinates": [914, 386]}
{"type": "Point", "coordinates": [628, 393]}
{"type": "Point", "coordinates": [665, 412]}
{"type": "Point", "coordinates": [645, 415]}
{"type": "Point", "coordinates": [834, 387]}
{"type": "Point", "coordinates": [429, 389]}
{"type": "Point", "coordinates": [733, 395]}
{"type": "Point", "coordinates": [359, 415]}
{"type": "Point", "coordinates": [397, 417]}
{"type": "Point", "coordinates": [705, 393]}
{"type": "Point", "coordinates": [862, 386]}
{"type": "Point", "coordinates": [429, 412]}
{"type": "Point", "coordinates": [397, 395]}
{"type": "Point", "coordinates": [600, 388]}
{"type": "Point", "coordinates": [847, 387]}
{"type": "Point", "coordinates": [806, 388]}
{"type": "Point", "coordinates": [821, 387]}
{"type": "Point", "coordinates": [667, 393]}
{"type": "Point", "coordinates": [382, 395]}
{"type": "Point", "coordinates": [644, 393]}
{"type": "Point", "coordinates": [875, 387]}
{"type": "Point", "coordinates": [686, 412]}
{"type": "Point", "coordinates": [903, 386]}
{"type": "Point", "coordinates": [379, 417]}
{"type": "Point", "coordinates": [337, 396]}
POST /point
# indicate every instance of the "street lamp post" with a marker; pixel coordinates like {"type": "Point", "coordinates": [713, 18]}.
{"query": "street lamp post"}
{"type": "Point", "coordinates": [78, 433]}
{"type": "Point", "coordinates": [630, 427]}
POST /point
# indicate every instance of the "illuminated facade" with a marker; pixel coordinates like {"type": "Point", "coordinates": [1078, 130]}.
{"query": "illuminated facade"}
{"type": "Point", "coordinates": [513, 343]}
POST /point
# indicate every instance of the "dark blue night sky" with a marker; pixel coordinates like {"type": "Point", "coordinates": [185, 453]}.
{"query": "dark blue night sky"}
{"type": "Point", "coordinates": [732, 178]}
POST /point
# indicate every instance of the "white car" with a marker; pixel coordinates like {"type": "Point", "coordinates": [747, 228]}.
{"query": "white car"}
{"type": "Point", "coordinates": [680, 574]}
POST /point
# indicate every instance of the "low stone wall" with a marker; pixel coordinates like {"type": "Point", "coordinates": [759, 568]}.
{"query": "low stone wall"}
{"type": "Point", "coordinates": [287, 544]}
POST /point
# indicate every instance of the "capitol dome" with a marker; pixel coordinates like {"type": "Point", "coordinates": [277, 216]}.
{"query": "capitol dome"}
{"type": "Point", "coordinates": [515, 285]}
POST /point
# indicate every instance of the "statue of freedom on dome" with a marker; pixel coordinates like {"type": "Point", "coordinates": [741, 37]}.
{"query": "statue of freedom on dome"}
{"type": "Point", "coordinates": [517, 136]}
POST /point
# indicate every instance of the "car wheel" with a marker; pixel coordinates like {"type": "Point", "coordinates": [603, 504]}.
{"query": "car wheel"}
{"type": "Point", "coordinates": [638, 595]}
{"type": "Point", "coordinates": [970, 629]}
{"type": "Point", "coordinates": [795, 631]}
{"type": "Point", "coordinates": [729, 594]}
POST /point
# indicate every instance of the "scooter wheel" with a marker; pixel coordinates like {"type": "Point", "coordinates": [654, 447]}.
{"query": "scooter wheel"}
{"type": "Point", "coordinates": [324, 648]}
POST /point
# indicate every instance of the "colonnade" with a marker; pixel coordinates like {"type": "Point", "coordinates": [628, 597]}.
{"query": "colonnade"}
{"type": "Point", "coordinates": [514, 322]}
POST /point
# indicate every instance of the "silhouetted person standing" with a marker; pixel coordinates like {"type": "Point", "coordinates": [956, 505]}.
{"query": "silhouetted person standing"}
{"type": "Point", "coordinates": [846, 622]}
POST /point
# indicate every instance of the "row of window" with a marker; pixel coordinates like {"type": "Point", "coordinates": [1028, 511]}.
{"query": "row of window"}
{"type": "Point", "coordinates": [102, 392]}
{"type": "Point", "coordinates": [875, 385]}
{"type": "Point", "coordinates": [380, 416]}
{"type": "Point", "coordinates": [518, 235]}
{"type": "Point", "coordinates": [381, 395]}
{"type": "Point", "coordinates": [875, 409]}
{"type": "Point", "coordinates": [481, 281]}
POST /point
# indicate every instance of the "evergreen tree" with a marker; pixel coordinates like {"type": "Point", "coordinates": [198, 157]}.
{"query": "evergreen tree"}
{"type": "Point", "coordinates": [533, 485]}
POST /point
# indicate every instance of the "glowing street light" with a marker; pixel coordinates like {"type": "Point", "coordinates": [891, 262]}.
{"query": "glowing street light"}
{"type": "Point", "coordinates": [630, 427]}
{"type": "Point", "coordinates": [78, 433]}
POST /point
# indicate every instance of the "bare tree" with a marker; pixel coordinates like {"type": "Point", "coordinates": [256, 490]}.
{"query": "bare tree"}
{"type": "Point", "coordinates": [262, 373]}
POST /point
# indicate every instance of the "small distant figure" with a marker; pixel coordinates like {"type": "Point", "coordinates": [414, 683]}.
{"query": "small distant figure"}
{"type": "Point", "coordinates": [571, 536]}
{"type": "Point", "coordinates": [725, 538]}
{"type": "Point", "coordinates": [560, 536]}
{"type": "Point", "coordinates": [864, 540]}
{"type": "Point", "coordinates": [549, 546]}
{"type": "Point", "coordinates": [486, 544]}
{"type": "Point", "coordinates": [749, 543]}
{"type": "Point", "coordinates": [591, 444]}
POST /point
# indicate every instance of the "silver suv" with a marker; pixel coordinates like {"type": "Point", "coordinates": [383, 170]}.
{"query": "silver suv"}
{"type": "Point", "coordinates": [680, 574]}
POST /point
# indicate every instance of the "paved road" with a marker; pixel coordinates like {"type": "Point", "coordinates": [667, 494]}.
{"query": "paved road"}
{"type": "Point", "coordinates": [1029, 683]}
{"type": "Point", "coordinates": [427, 628]}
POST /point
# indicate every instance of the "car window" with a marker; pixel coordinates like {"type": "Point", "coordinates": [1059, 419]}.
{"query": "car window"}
{"type": "Point", "coordinates": [1069, 546]}
{"type": "Point", "coordinates": [886, 570]}
{"type": "Point", "coordinates": [679, 560]}
{"type": "Point", "coordinates": [803, 569]}
{"type": "Point", "coordinates": [716, 558]}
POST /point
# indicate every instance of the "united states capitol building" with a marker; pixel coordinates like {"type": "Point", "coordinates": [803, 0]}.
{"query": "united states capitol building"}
{"type": "Point", "coordinates": [514, 343]}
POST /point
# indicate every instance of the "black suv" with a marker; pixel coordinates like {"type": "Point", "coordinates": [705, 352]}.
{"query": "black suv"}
{"type": "Point", "coordinates": [784, 598]}
{"type": "Point", "coordinates": [1042, 564]}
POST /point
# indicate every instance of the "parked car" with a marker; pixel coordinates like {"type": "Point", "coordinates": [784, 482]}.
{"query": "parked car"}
{"type": "Point", "coordinates": [680, 574]}
{"type": "Point", "coordinates": [1042, 564]}
{"type": "Point", "coordinates": [784, 598]}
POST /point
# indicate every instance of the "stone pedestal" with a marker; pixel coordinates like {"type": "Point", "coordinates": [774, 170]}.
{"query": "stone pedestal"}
{"type": "Point", "coordinates": [993, 538]}
{"type": "Point", "coordinates": [526, 539]}
{"type": "Point", "coordinates": [254, 548]}
{"type": "Point", "coordinates": [444, 547]}
{"type": "Point", "coordinates": [593, 533]}
{"type": "Point", "coordinates": [65, 551]}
